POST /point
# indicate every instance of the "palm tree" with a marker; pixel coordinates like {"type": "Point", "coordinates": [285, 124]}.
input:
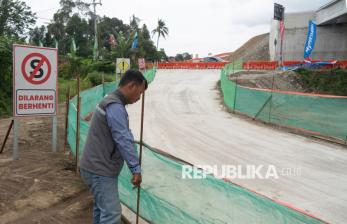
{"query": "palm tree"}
{"type": "Point", "coordinates": [161, 29]}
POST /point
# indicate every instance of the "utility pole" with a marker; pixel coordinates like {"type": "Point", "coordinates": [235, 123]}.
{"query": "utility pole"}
{"type": "Point", "coordinates": [95, 50]}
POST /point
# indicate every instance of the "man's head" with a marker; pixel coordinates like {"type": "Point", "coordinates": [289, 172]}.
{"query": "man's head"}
{"type": "Point", "coordinates": [132, 85]}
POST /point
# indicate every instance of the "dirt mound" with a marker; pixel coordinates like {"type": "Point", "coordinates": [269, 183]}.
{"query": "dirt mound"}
{"type": "Point", "coordinates": [330, 82]}
{"type": "Point", "coordinates": [255, 49]}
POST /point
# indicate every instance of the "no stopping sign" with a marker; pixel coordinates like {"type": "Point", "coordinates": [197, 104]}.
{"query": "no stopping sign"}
{"type": "Point", "coordinates": [36, 68]}
{"type": "Point", "coordinates": [35, 73]}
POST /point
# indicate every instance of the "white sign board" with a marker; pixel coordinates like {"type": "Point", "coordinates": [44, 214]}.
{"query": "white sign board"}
{"type": "Point", "coordinates": [123, 65]}
{"type": "Point", "coordinates": [35, 74]}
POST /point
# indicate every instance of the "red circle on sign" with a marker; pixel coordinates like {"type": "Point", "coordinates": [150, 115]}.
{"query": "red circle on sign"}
{"type": "Point", "coordinates": [30, 77]}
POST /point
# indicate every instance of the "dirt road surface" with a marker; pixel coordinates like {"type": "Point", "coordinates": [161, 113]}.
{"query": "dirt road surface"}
{"type": "Point", "coordinates": [42, 187]}
{"type": "Point", "coordinates": [184, 116]}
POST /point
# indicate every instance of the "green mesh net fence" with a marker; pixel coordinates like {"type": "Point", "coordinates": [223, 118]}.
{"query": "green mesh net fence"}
{"type": "Point", "coordinates": [317, 114]}
{"type": "Point", "coordinates": [168, 198]}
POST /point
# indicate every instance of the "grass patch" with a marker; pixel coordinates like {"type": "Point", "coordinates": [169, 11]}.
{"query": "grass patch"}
{"type": "Point", "coordinates": [333, 82]}
{"type": "Point", "coordinates": [93, 79]}
{"type": "Point", "coordinates": [64, 84]}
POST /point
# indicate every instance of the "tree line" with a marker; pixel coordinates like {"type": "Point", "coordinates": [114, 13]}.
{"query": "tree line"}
{"type": "Point", "coordinates": [71, 30]}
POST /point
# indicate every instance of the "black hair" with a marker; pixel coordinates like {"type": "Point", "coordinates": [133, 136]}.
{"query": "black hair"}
{"type": "Point", "coordinates": [133, 75]}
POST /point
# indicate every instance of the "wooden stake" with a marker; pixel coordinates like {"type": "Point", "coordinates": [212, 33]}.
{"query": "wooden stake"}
{"type": "Point", "coordinates": [66, 116]}
{"type": "Point", "coordinates": [6, 137]}
{"type": "Point", "coordinates": [78, 123]}
{"type": "Point", "coordinates": [235, 94]}
{"type": "Point", "coordinates": [272, 90]}
{"type": "Point", "coordinates": [140, 157]}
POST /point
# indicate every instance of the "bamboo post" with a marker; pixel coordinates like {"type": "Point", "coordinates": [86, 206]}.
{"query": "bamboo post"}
{"type": "Point", "coordinates": [66, 116]}
{"type": "Point", "coordinates": [140, 157]}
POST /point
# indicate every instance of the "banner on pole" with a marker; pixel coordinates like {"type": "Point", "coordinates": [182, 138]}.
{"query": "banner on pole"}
{"type": "Point", "coordinates": [135, 41]}
{"type": "Point", "coordinates": [282, 29]}
{"type": "Point", "coordinates": [310, 40]}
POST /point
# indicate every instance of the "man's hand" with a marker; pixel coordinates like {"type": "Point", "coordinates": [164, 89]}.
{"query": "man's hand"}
{"type": "Point", "coordinates": [137, 179]}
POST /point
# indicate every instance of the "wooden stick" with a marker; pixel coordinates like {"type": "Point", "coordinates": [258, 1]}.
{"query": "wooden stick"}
{"type": "Point", "coordinates": [140, 157]}
{"type": "Point", "coordinates": [66, 116]}
{"type": "Point", "coordinates": [235, 94]}
{"type": "Point", "coordinates": [272, 91]}
{"type": "Point", "coordinates": [78, 122]}
{"type": "Point", "coordinates": [7, 134]}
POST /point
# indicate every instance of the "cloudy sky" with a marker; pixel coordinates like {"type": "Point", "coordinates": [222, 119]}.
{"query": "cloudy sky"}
{"type": "Point", "coordinates": [195, 26]}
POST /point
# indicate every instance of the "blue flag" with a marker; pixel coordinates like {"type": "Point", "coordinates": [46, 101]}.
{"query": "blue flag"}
{"type": "Point", "coordinates": [311, 39]}
{"type": "Point", "coordinates": [134, 45]}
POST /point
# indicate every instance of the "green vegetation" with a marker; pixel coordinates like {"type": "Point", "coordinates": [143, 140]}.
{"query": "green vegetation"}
{"type": "Point", "coordinates": [71, 30]}
{"type": "Point", "coordinates": [183, 57]}
{"type": "Point", "coordinates": [15, 18]}
{"type": "Point", "coordinates": [65, 84]}
{"type": "Point", "coordinates": [6, 74]}
{"type": "Point", "coordinates": [332, 82]}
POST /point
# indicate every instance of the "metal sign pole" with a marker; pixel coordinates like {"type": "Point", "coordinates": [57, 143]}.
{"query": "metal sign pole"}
{"type": "Point", "coordinates": [15, 151]}
{"type": "Point", "coordinates": [54, 133]}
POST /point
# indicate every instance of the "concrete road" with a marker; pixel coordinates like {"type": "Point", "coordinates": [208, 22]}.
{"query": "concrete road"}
{"type": "Point", "coordinates": [184, 116]}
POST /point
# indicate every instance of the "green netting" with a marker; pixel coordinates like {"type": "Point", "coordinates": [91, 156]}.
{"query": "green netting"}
{"type": "Point", "coordinates": [150, 74]}
{"type": "Point", "coordinates": [167, 198]}
{"type": "Point", "coordinates": [319, 114]}
{"type": "Point", "coordinates": [89, 99]}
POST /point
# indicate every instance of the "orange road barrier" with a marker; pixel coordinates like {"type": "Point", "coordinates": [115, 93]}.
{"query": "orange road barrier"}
{"type": "Point", "coordinates": [249, 65]}
{"type": "Point", "coordinates": [191, 65]}
{"type": "Point", "coordinates": [272, 65]}
{"type": "Point", "coordinates": [260, 65]}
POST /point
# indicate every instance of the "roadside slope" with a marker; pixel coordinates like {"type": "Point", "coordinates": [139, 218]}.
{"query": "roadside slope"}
{"type": "Point", "coordinates": [255, 49]}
